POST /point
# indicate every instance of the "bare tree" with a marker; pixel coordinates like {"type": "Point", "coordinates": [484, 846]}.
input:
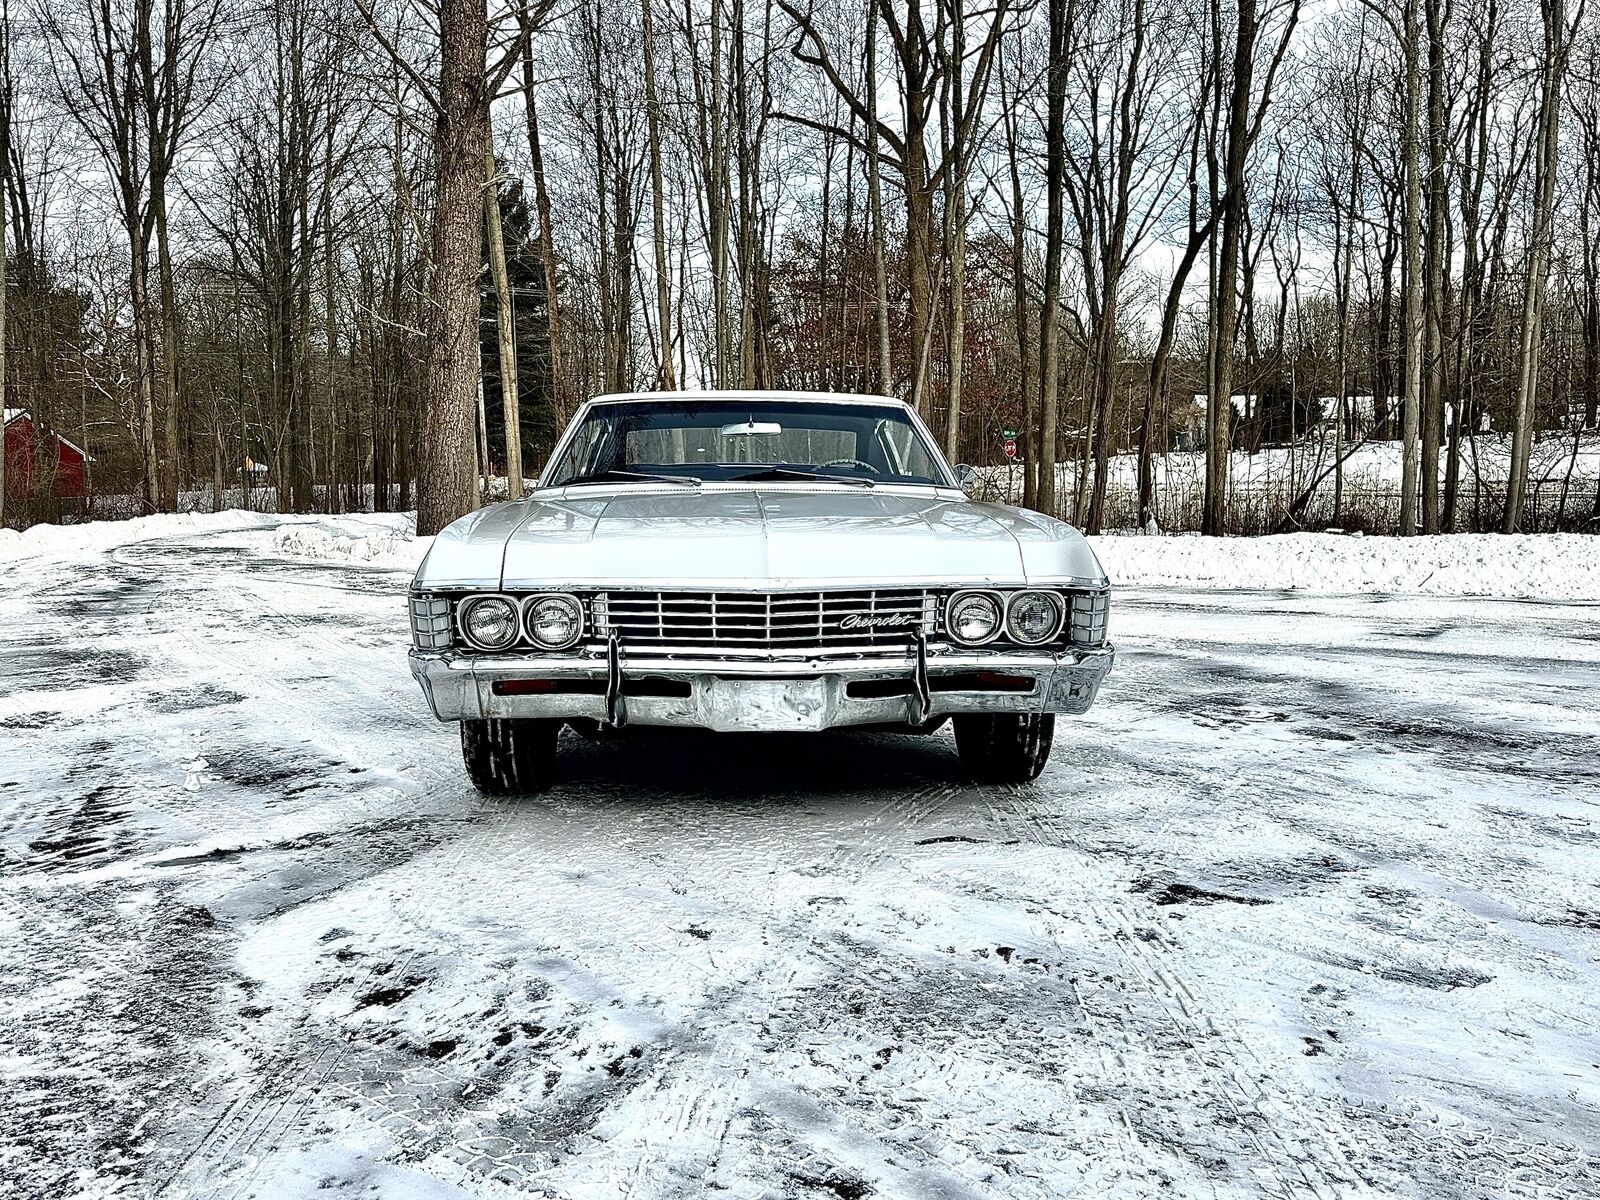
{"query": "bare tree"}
{"type": "Point", "coordinates": [1238, 136]}
{"type": "Point", "coordinates": [880, 278]}
{"type": "Point", "coordinates": [1063, 14]}
{"type": "Point", "coordinates": [8, 93]}
{"type": "Point", "coordinates": [657, 203]}
{"type": "Point", "coordinates": [505, 329]}
{"type": "Point", "coordinates": [547, 246]}
{"type": "Point", "coordinates": [1552, 67]}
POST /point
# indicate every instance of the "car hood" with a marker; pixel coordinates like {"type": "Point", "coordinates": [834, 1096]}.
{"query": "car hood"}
{"type": "Point", "coordinates": [781, 536]}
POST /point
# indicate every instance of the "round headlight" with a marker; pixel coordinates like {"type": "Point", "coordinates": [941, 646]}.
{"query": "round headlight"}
{"type": "Point", "coordinates": [1033, 617]}
{"type": "Point", "coordinates": [973, 618]}
{"type": "Point", "coordinates": [554, 622]}
{"type": "Point", "coordinates": [490, 623]}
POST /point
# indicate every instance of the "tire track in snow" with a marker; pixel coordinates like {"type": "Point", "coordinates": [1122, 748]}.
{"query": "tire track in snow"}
{"type": "Point", "coordinates": [288, 1082]}
{"type": "Point", "coordinates": [684, 1141]}
{"type": "Point", "coordinates": [140, 611]}
{"type": "Point", "coordinates": [229, 1155]}
{"type": "Point", "coordinates": [1322, 1165]}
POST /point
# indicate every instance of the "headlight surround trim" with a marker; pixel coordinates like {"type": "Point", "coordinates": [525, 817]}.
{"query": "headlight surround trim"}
{"type": "Point", "coordinates": [1052, 599]}
{"type": "Point", "coordinates": [571, 603]}
{"type": "Point", "coordinates": [474, 604]}
{"type": "Point", "coordinates": [997, 605]}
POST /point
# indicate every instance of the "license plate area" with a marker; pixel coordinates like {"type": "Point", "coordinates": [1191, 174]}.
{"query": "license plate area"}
{"type": "Point", "coordinates": [765, 705]}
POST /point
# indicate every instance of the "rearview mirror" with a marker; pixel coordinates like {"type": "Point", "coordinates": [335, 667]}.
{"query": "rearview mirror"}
{"type": "Point", "coordinates": [752, 429]}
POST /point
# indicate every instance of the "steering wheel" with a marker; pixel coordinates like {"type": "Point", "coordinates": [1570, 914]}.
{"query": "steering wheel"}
{"type": "Point", "coordinates": [849, 462]}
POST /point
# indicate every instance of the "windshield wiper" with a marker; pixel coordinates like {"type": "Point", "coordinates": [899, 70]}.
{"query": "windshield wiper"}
{"type": "Point", "coordinates": [613, 476]}
{"type": "Point", "coordinates": [793, 473]}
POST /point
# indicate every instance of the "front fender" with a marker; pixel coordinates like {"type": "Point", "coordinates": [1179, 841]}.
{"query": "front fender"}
{"type": "Point", "coordinates": [1052, 551]}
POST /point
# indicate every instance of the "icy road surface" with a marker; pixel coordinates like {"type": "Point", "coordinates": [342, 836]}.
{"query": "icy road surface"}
{"type": "Point", "coordinates": [1307, 907]}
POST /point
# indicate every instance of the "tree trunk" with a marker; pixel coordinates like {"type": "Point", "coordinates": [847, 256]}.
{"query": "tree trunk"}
{"type": "Point", "coordinates": [1111, 267]}
{"type": "Point", "coordinates": [143, 352]}
{"type": "Point", "coordinates": [1546, 162]}
{"type": "Point", "coordinates": [510, 396]}
{"type": "Point", "coordinates": [1199, 238]}
{"type": "Point", "coordinates": [1219, 406]}
{"type": "Point", "coordinates": [1411, 268]}
{"type": "Point", "coordinates": [547, 240]}
{"type": "Point", "coordinates": [1436, 265]}
{"type": "Point", "coordinates": [657, 203]}
{"type": "Point", "coordinates": [169, 351]}
{"type": "Point", "coordinates": [880, 279]}
{"type": "Point", "coordinates": [1019, 304]}
{"type": "Point", "coordinates": [955, 221]}
{"type": "Point", "coordinates": [447, 484]}
{"type": "Point", "coordinates": [1050, 311]}
{"type": "Point", "coordinates": [5, 163]}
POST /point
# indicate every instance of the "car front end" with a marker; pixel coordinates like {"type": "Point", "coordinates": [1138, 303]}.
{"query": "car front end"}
{"type": "Point", "coordinates": [755, 562]}
{"type": "Point", "coordinates": [795, 659]}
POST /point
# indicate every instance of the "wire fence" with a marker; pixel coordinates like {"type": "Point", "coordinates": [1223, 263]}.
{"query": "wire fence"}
{"type": "Point", "coordinates": [1568, 505]}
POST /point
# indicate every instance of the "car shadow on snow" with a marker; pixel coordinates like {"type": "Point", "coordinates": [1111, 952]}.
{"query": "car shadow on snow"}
{"type": "Point", "coordinates": [684, 764]}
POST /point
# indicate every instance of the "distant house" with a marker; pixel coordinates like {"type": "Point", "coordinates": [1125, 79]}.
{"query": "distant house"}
{"type": "Point", "coordinates": [62, 470]}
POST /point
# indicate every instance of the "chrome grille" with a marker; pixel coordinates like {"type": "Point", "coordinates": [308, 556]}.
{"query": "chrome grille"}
{"type": "Point", "coordinates": [768, 622]}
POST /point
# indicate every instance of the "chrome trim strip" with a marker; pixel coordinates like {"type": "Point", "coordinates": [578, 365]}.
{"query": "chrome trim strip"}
{"type": "Point", "coordinates": [612, 583]}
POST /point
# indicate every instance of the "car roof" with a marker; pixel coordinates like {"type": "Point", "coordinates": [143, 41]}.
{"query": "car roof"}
{"type": "Point", "coordinates": [753, 395]}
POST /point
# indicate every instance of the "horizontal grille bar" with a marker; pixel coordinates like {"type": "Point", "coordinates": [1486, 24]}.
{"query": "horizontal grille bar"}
{"type": "Point", "coordinates": [757, 621]}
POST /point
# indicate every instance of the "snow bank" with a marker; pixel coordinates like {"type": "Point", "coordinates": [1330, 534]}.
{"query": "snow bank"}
{"type": "Point", "coordinates": [1543, 566]}
{"type": "Point", "coordinates": [378, 540]}
{"type": "Point", "coordinates": [51, 541]}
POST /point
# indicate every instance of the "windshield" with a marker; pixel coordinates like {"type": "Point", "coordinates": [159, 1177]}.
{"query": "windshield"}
{"type": "Point", "coordinates": [723, 440]}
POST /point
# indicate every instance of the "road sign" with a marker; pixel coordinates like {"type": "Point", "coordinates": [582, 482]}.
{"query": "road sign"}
{"type": "Point", "coordinates": [1011, 447]}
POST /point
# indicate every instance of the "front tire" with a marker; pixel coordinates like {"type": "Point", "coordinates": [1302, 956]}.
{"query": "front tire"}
{"type": "Point", "coordinates": [508, 756]}
{"type": "Point", "coordinates": [1004, 747]}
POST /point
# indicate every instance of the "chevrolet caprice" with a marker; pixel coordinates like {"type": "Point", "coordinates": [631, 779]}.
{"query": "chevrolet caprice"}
{"type": "Point", "coordinates": [755, 561]}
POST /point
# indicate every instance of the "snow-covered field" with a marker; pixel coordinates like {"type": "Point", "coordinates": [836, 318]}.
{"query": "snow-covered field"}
{"type": "Point", "coordinates": [1306, 907]}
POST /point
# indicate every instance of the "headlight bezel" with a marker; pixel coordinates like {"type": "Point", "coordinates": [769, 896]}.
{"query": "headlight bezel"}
{"type": "Point", "coordinates": [472, 604]}
{"type": "Point", "coordinates": [996, 601]}
{"type": "Point", "coordinates": [1057, 606]}
{"type": "Point", "coordinates": [566, 599]}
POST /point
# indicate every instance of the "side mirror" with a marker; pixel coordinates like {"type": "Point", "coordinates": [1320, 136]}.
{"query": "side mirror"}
{"type": "Point", "coordinates": [966, 476]}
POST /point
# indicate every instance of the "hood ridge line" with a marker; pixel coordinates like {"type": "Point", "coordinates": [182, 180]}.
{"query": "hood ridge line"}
{"type": "Point", "coordinates": [505, 546]}
{"type": "Point", "coordinates": [766, 533]}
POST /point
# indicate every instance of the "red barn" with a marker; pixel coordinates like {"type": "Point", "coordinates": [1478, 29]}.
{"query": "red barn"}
{"type": "Point", "coordinates": [62, 468]}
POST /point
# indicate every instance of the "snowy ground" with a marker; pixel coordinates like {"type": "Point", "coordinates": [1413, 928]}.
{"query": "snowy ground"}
{"type": "Point", "coordinates": [1306, 907]}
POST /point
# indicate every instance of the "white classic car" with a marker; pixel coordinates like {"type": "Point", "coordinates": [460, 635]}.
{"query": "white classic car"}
{"type": "Point", "coordinates": [755, 561]}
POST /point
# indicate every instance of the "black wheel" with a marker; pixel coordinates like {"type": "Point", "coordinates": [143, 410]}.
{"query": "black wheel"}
{"type": "Point", "coordinates": [1004, 747]}
{"type": "Point", "coordinates": [509, 757]}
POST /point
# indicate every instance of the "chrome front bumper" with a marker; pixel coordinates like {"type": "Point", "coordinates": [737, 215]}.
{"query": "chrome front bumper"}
{"type": "Point", "coordinates": [743, 695]}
